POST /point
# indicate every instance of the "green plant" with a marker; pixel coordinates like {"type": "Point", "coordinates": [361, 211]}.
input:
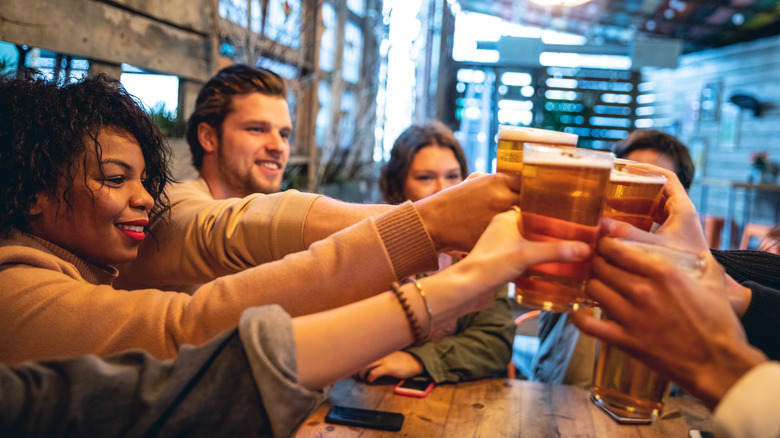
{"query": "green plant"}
{"type": "Point", "coordinates": [167, 121]}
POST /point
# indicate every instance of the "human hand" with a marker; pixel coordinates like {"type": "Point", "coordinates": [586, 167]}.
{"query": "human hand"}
{"type": "Point", "coordinates": [457, 216]}
{"type": "Point", "coordinates": [682, 326]}
{"type": "Point", "coordinates": [398, 364]}
{"type": "Point", "coordinates": [501, 255]}
{"type": "Point", "coordinates": [680, 226]}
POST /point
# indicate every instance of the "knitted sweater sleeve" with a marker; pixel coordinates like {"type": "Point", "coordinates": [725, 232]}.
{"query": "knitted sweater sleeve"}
{"type": "Point", "coordinates": [48, 310]}
{"type": "Point", "coordinates": [759, 271]}
{"type": "Point", "coordinates": [202, 238]}
{"type": "Point", "coordinates": [762, 319]}
{"type": "Point", "coordinates": [758, 266]}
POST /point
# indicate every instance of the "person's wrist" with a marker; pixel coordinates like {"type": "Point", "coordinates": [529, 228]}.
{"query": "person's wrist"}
{"type": "Point", "coordinates": [429, 214]}
{"type": "Point", "coordinates": [450, 294]}
{"type": "Point", "coordinates": [715, 380]}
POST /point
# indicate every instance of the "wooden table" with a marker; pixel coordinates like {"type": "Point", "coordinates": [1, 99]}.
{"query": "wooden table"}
{"type": "Point", "coordinates": [499, 408]}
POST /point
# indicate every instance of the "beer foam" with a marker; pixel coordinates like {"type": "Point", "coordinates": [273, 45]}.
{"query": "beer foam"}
{"type": "Point", "coordinates": [568, 157]}
{"type": "Point", "coordinates": [626, 177]}
{"type": "Point", "coordinates": [519, 133]}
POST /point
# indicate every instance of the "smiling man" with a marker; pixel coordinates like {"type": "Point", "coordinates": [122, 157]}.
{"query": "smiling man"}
{"type": "Point", "coordinates": [233, 218]}
{"type": "Point", "coordinates": [239, 132]}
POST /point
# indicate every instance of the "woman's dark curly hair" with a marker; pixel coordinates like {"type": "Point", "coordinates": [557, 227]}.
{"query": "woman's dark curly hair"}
{"type": "Point", "coordinates": [48, 127]}
{"type": "Point", "coordinates": [406, 146]}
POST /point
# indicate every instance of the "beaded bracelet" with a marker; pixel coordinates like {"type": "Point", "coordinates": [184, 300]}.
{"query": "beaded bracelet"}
{"type": "Point", "coordinates": [419, 337]}
{"type": "Point", "coordinates": [427, 309]}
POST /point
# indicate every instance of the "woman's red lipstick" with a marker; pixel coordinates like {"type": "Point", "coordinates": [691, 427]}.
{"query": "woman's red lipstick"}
{"type": "Point", "coordinates": [134, 230]}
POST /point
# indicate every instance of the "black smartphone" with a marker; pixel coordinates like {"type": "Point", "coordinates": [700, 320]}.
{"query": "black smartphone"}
{"type": "Point", "coordinates": [365, 418]}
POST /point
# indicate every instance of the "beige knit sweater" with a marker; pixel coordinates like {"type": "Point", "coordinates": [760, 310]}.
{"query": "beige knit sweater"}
{"type": "Point", "coordinates": [54, 304]}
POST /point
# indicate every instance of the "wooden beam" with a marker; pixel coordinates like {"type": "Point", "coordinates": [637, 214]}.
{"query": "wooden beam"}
{"type": "Point", "coordinates": [106, 33]}
{"type": "Point", "coordinates": [185, 14]}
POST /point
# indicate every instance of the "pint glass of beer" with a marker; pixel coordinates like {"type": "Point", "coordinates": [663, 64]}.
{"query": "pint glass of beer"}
{"type": "Point", "coordinates": [511, 139]}
{"type": "Point", "coordinates": [633, 194]}
{"type": "Point", "coordinates": [561, 199]}
{"type": "Point", "coordinates": [628, 390]}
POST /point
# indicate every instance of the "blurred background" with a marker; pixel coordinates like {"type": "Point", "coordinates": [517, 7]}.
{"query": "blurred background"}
{"type": "Point", "coordinates": [361, 71]}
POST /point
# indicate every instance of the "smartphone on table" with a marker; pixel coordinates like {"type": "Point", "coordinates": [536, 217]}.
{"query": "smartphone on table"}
{"type": "Point", "coordinates": [381, 420]}
{"type": "Point", "coordinates": [414, 387]}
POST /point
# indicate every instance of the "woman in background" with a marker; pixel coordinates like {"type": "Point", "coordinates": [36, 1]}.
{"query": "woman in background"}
{"type": "Point", "coordinates": [426, 159]}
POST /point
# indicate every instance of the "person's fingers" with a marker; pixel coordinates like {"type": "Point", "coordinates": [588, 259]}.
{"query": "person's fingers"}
{"type": "Point", "coordinates": [365, 372]}
{"type": "Point", "coordinates": [375, 373]}
{"type": "Point", "coordinates": [513, 181]}
{"type": "Point", "coordinates": [534, 253]}
{"type": "Point", "coordinates": [616, 303]}
{"type": "Point", "coordinates": [614, 277]}
{"type": "Point", "coordinates": [617, 229]}
{"type": "Point", "coordinates": [634, 260]}
{"type": "Point", "coordinates": [673, 184]}
{"type": "Point", "coordinates": [607, 330]}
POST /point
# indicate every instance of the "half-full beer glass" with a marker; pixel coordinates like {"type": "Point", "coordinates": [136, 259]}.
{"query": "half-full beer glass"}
{"type": "Point", "coordinates": [633, 194]}
{"type": "Point", "coordinates": [628, 390]}
{"type": "Point", "coordinates": [561, 199]}
{"type": "Point", "coordinates": [511, 139]}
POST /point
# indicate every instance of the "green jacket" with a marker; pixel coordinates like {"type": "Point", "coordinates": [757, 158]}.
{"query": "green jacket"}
{"type": "Point", "coordinates": [481, 346]}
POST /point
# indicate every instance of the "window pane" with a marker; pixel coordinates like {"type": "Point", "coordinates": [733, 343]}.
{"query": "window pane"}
{"type": "Point", "coordinates": [284, 70]}
{"type": "Point", "coordinates": [323, 115]}
{"type": "Point", "coordinates": [284, 22]}
{"type": "Point", "coordinates": [157, 92]}
{"type": "Point", "coordinates": [357, 6]}
{"type": "Point", "coordinates": [235, 11]}
{"type": "Point", "coordinates": [328, 37]}
{"type": "Point", "coordinates": [353, 47]}
{"type": "Point", "coordinates": [347, 119]}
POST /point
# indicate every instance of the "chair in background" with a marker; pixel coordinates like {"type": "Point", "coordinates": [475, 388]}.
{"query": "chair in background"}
{"type": "Point", "coordinates": [713, 230]}
{"type": "Point", "coordinates": [753, 236]}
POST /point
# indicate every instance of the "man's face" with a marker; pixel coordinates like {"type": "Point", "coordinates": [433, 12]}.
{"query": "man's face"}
{"type": "Point", "coordinates": [652, 156]}
{"type": "Point", "coordinates": [254, 145]}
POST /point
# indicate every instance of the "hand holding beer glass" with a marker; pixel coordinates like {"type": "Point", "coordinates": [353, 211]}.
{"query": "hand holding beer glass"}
{"type": "Point", "coordinates": [628, 390]}
{"type": "Point", "coordinates": [624, 387]}
{"type": "Point", "coordinates": [562, 197]}
{"type": "Point", "coordinates": [633, 194]}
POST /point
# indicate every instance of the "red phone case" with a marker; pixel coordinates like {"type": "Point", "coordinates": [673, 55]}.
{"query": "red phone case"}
{"type": "Point", "coordinates": [412, 392]}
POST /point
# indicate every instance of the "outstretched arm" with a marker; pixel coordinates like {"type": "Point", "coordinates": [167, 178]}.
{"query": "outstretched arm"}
{"type": "Point", "coordinates": [682, 326]}
{"type": "Point", "coordinates": [680, 228]}
{"type": "Point", "coordinates": [481, 347]}
{"type": "Point", "coordinates": [335, 344]}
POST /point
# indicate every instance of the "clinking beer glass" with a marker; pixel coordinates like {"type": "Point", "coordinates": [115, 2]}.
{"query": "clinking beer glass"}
{"type": "Point", "coordinates": [633, 194]}
{"type": "Point", "coordinates": [628, 390]}
{"type": "Point", "coordinates": [562, 197]}
{"type": "Point", "coordinates": [511, 139]}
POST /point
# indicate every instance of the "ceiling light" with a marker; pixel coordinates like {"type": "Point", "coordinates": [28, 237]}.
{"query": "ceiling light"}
{"type": "Point", "coordinates": [564, 3]}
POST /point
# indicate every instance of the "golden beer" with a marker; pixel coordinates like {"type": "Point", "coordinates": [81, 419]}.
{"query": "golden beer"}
{"type": "Point", "coordinates": [561, 199]}
{"type": "Point", "coordinates": [633, 194]}
{"type": "Point", "coordinates": [511, 139]}
{"type": "Point", "coordinates": [626, 388]}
